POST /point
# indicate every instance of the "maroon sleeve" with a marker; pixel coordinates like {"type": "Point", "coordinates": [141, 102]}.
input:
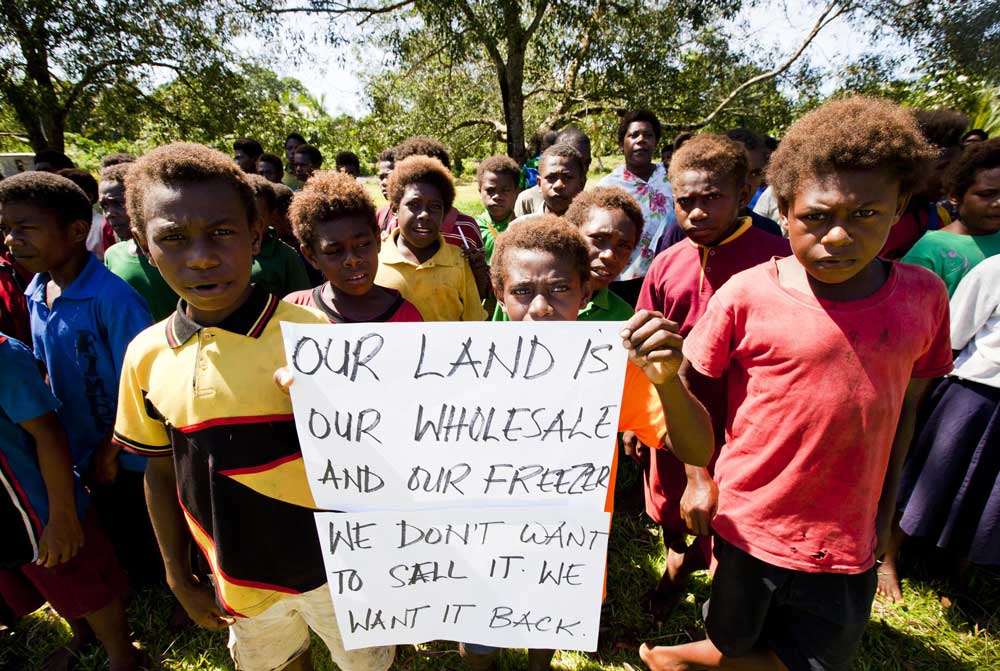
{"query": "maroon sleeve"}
{"type": "Point", "coordinates": [937, 360]}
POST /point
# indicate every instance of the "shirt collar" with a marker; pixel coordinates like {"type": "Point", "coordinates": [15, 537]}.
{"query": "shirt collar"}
{"type": "Point", "coordinates": [249, 319]}
{"type": "Point", "coordinates": [84, 286]}
{"type": "Point", "coordinates": [390, 253]}
{"type": "Point", "coordinates": [602, 299]}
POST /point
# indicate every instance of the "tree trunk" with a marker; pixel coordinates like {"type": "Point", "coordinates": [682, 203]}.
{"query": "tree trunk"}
{"type": "Point", "coordinates": [513, 104]}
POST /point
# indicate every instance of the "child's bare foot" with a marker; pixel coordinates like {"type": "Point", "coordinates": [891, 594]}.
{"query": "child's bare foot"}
{"type": "Point", "coordinates": [888, 580]}
{"type": "Point", "coordinates": [661, 658]}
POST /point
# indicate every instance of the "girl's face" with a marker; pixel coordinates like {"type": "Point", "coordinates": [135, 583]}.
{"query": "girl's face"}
{"type": "Point", "coordinates": [979, 207]}
{"type": "Point", "coordinates": [346, 251]}
{"type": "Point", "coordinates": [420, 215]}
{"type": "Point", "coordinates": [611, 239]}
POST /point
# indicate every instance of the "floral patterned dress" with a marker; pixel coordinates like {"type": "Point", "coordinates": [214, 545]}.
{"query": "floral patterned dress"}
{"type": "Point", "coordinates": [657, 202]}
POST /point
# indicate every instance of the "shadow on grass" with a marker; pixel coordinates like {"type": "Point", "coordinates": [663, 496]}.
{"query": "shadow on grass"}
{"type": "Point", "coordinates": [886, 648]}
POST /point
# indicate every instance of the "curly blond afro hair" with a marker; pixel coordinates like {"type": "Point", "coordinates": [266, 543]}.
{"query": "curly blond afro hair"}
{"type": "Point", "coordinates": [420, 170]}
{"type": "Point", "coordinates": [605, 198]}
{"type": "Point", "coordinates": [711, 153]}
{"type": "Point", "coordinates": [183, 163]}
{"type": "Point", "coordinates": [544, 232]}
{"type": "Point", "coordinates": [855, 133]}
{"type": "Point", "coordinates": [329, 196]}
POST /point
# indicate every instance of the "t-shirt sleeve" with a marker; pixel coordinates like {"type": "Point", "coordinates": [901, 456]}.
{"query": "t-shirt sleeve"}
{"type": "Point", "coordinates": [650, 295]}
{"type": "Point", "coordinates": [709, 344]}
{"type": "Point", "coordinates": [976, 299]}
{"type": "Point", "coordinates": [23, 394]}
{"type": "Point", "coordinates": [472, 310]}
{"type": "Point", "coordinates": [936, 360]}
{"type": "Point", "coordinates": [641, 410]}
{"type": "Point", "coordinates": [138, 427]}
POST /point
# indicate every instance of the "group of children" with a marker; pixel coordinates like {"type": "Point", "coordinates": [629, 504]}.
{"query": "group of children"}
{"type": "Point", "coordinates": [774, 387]}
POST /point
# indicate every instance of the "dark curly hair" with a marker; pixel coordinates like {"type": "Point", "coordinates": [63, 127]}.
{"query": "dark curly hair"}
{"type": "Point", "coordinates": [314, 154]}
{"type": "Point", "coordinates": [249, 146]}
{"type": "Point", "coordinates": [544, 232]}
{"type": "Point", "coordinates": [564, 151]}
{"type": "Point", "coordinates": [387, 155]}
{"type": "Point", "coordinates": [116, 159]}
{"type": "Point", "coordinates": [498, 165]}
{"type": "Point", "coordinates": [942, 127]}
{"type": "Point", "coordinates": [855, 133]}
{"type": "Point", "coordinates": [264, 190]}
{"type": "Point", "coordinates": [420, 170]}
{"type": "Point", "coordinates": [183, 163]}
{"type": "Point", "coordinates": [82, 179]}
{"type": "Point", "coordinates": [115, 172]}
{"type": "Point", "coordinates": [715, 154]}
{"type": "Point", "coordinates": [327, 196]}
{"type": "Point", "coordinates": [639, 115]}
{"type": "Point", "coordinates": [605, 198]}
{"type": "Point", "coordinates": [421, 145]}
{"type": "Point", "coordinates": [973, 159]}
{"type": "Point", "coordinates": [48, 191]}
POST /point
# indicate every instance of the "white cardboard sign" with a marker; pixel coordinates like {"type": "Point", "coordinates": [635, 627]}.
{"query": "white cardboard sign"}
{"type": "Point", "coordinates": [507, 577]}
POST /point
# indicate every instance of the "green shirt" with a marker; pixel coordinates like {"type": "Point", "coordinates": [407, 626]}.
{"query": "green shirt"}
{"type": "Point", "coordinates": [126, 261]}
{"type": "Point", "coordinates": [489, 230]}
{"type": "Point", "coordinates": [951, 256]}
{"type": "Point", "coordinates": [604, 306]}
{"type": "Point", "coordinates": [278, 268]}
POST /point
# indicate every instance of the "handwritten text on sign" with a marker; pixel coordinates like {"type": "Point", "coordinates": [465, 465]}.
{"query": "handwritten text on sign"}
{"type": "Point", "coordinates": [510, 577]}
{"type": "Point", "coordinates": [398, 416]}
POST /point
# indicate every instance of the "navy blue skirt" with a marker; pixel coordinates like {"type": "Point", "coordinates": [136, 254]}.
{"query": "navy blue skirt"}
{"type": "Point", "coordinates": [950, 487]}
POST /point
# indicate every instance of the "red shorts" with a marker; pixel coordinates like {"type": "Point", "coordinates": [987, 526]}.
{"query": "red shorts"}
{"type": "Point", "coordinates": [85, 584]}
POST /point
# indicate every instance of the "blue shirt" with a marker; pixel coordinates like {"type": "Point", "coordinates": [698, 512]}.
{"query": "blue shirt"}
{"type": "Point", "coordinates": [82, 341]}
{"type": "Point", "coordinates": [24, 503]}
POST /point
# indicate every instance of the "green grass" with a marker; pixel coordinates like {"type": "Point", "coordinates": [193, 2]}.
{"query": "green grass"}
{"type": "Point", "coordinates": [939, 627]}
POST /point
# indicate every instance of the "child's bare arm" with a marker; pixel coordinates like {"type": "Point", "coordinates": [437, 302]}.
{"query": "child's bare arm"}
{"type": "Point", "coordinates": [174, 539]}
{"type": "Point", "coordinates": [654, 345]}
{"type": "Point", "coordinates": [915, 393]}
{"type": "Point", "coordinates": [63, 535]}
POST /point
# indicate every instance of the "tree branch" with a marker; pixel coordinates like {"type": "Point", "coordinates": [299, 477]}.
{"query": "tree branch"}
{"type": "Point", "coordinates": [339, 8]}
{"type": "Point", "coordinates": [830, 12]}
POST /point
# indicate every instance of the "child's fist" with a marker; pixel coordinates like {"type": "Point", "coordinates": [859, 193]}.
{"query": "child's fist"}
{"type": "Point", "coordinates": [654, 345]}
{"type": "Point", "coordinates": [283, 378]}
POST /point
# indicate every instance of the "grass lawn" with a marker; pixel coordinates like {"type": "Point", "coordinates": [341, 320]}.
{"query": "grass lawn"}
{"type": "Point", "coordinates": [939, 627]}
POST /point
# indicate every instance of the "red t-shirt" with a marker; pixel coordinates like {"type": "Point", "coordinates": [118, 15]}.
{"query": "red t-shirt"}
{"type": "Point", "coordinates": [679, 284]}
{"type": "Point", "coordinates": [457, 229]}
{"type": "Point", "coordinates": [815, 391]}
{"type": "Point", "coordinates": [401, 309]}
{"type": "Point", "coordinates": [14, 320]}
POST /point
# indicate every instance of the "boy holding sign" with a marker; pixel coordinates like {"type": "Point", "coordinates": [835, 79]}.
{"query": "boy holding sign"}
{"type": "Point", "coordinates": [541, 272]}
{"type": "Point", "coordinates": [226, 467]}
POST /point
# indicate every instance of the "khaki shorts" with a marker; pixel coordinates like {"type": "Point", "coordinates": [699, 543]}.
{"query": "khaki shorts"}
{"type": "Point", "coordinates": [274, 638]}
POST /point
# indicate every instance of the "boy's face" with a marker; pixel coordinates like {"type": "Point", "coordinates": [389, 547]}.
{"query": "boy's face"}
{"type": "Point", "coordinates": [540, 286]}
{"type": "Point", "coordinates": [351, 170]}
{"type": "Point", "coordinates": [345, 250]}
{"type": "Point", "coordinates": [264, 213]}
{"type": "Point", "coordinates": [838, 223]}
{"type": "Point", "coordinates": [420, 214]}
{"type": "Point", "coordinates": [111, 196]}
{"type": "Point", "coordinates": [303, 167]}
{"type": "Point", "coordinates": [384, 170]}
{"type": "Point", "coordinates": [269, 171]}
{"type": "Point", "coordinates": [36, 238]}
{"type": "Point", "coordinates": [979, 208]}
{"type": "Point", "coordinates": [707, 204]}
{"type": "Point", "coordinates": [560, 181]}
{"type": "Point", "coordinates": [247, 163]}
{"type": "Point", "coordinates": [498, 194]}
{"type": "Point", "coordinates": [199, 237]}
{"type": "Point", "coordinates": [639, 144]}
{"type": "Point", "coordinates": [610, 237]}
{"type": "Point", "coordinates": [758, 166]}
{"type": "Point", "coordinates": [291, 144]}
